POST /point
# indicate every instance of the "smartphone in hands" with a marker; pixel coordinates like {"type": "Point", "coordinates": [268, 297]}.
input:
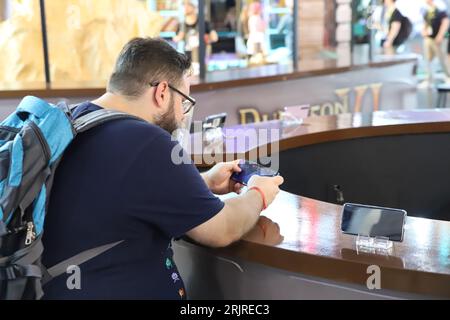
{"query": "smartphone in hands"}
{"type": "Point", "coordinates": [250, 169]}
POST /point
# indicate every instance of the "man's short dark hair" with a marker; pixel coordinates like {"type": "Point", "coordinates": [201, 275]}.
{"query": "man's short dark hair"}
{"type": "Point", "coordinates": [146, 60]}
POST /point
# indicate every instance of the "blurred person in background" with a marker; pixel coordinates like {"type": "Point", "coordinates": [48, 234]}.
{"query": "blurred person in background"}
{"type": "Point", "coordinates": [189, 33]}
{"type": "Point", "coordinates": [434, 32]}
{"type": "Point", "coordinates": [398, 28]}
{"type": "Point", "coordinates": [256, 42]}
{"type": "Point", "coordinates": [286, 26]}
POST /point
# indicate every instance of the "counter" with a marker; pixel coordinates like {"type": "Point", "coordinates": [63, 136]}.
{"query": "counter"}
{"type": "Point", "coordinates": [315, 260]}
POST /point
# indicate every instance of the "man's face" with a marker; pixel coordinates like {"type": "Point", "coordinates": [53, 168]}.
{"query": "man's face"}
{"type": "Point", "coordinates": [174, 117]}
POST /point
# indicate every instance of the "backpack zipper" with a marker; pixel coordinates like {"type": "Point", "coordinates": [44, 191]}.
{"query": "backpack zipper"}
{"type": "Point", "coordinates": [41, 138]}
{"type": "Point", "coordinates": [31, 236]}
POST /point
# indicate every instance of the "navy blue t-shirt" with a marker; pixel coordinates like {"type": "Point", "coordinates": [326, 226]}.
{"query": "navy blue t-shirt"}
{"type": "Point", "coordinates": [117, 182]}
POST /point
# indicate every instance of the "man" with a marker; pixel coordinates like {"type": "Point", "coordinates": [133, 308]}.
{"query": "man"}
{"type": "Point", "coordinates": [118, 182]}
{"type": "Point", "coordinates": [434, 32]}
{"type": "Point", "coordinates": [399, 27]}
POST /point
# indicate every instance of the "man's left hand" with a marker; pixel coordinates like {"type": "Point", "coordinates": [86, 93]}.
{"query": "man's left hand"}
{"type": "Point", "coordinates": [219, 180]}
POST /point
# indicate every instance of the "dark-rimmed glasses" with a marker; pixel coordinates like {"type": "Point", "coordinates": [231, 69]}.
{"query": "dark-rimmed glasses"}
{"type": "Point", "coordinates": [187, 104]}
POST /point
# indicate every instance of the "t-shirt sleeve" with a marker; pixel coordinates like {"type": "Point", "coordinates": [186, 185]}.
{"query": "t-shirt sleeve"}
{"type": "Point", "coordinates": [396, 16]}
{"type": "Point", "coordinates": [171, 197]}
{"type": "Point", "coordinates": [442, 15]}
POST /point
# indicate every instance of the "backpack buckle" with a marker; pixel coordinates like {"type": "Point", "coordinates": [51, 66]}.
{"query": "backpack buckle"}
{"type": "Point", "coordinates": [10, 273]}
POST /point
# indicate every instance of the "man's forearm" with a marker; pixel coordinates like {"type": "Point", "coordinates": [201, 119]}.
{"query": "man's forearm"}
{"type": "Point", "coordinates": [235, 220]}
{"type": "Point", "coordinates": [242, 213]}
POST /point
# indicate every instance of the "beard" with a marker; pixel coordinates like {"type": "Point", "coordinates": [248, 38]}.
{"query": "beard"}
{"type": "Point", "coordinates": [167, 121]}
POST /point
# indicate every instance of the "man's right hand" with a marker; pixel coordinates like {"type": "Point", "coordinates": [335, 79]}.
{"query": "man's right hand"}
{"type": "Point", "coordinates": [239, 215]}
{"type": "Point", "coordinates": [270, 186]}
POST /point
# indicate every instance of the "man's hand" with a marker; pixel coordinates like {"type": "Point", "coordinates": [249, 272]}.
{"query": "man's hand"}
{"type": "Point", "coordinates": [265, 232]}
{"type": "Point", "coordinates": [218, 179]}
{"type": "Point", "coordinates": [268, 185]}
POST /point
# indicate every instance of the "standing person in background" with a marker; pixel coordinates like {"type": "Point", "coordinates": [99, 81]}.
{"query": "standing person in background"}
{"type": "Point", "coordinates": [434, 33]}
{"type": "Point", "coordinates": [257, 33]}
{"type": "Point", "coordinates": [398, 28]}
{"type": "Point", "coordinates": [241, 40]}
{"type": "Point", "coordinates": [230, 18]}
{"type": "Point", "coordinates": [243, 19]}
{"type": "Point", "coordinates": [286, 26]}
{"type": "Point", "coordinates": [188, 32]}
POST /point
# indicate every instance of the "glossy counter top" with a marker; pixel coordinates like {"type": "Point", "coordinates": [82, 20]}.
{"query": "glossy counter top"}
{"type": "Point", "coordinates": [314, 245]}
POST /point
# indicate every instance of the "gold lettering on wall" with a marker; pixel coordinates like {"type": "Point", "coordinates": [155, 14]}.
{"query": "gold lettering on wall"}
{"type": "Point", "coordinates": [252, 115]}
{"type": "Point", "coordinates": [376, 94]}
{"type": "Point", "coordinates": [344, 95]}
{"type": "Point", "coordinates": [327, 109]}
{"type": "Point", "coordinates": [315, 110]}
{"type": "Point", "coordinates": [249, 112]}
{"type": "Point", "coordinates": [360, 91]}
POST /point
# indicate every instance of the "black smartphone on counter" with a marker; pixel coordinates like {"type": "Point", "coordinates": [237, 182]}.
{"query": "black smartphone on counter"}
{"type": "Point", "coordinates": [372, 221]}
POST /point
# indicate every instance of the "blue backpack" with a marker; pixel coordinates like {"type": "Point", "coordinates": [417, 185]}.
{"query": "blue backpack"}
{"type": "Point", "coordinates": [32, 142]}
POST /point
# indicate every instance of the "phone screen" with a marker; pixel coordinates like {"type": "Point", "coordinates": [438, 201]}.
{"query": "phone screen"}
{"type": "Point", "coordinates": [373, 221]}
{"type": "Point", "coordinates": [250, 169]}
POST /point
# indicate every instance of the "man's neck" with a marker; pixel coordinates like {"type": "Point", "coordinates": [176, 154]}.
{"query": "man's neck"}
{"type": "Point", "coordinates": [118, 103]}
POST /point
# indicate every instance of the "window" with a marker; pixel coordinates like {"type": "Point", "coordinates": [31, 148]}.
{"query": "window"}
{"type": "Point", "coordinates": [22, 58]}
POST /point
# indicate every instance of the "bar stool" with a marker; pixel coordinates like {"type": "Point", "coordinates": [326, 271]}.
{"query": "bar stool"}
{"type": "Point", "coordinates": [443, 90]}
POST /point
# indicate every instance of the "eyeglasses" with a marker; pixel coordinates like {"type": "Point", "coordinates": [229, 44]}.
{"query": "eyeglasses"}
{"type": "Point", "coordinates": [186, 104]}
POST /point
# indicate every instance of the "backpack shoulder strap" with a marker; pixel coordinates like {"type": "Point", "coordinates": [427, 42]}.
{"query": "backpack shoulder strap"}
{"type": "Point", "coordinates": [77, 260]}
{"type": "Point", "coordinates": [99, 117]}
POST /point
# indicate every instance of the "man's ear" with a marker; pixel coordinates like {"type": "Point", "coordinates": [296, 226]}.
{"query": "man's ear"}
{"type": "Point", "coordinates": [162, 94]}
